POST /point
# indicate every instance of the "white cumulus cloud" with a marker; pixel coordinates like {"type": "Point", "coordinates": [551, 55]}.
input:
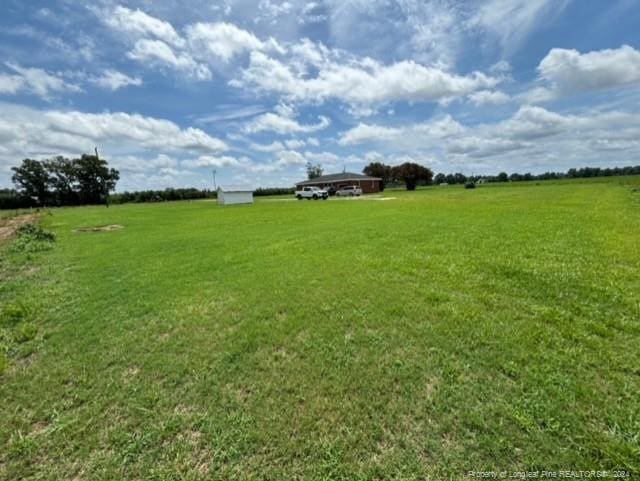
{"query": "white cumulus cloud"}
{"type": "Point", "coordinates": [222, 40]}
{"type": "Point", "coordinates": [435, 129]}
{"type": "Point", "coordinates": [159, 53]}
{"type": "Point", "coordinates": [283, 121]}
{"type": "Point", "coordinates": [114, 80]}
{"type": "Point", "coordinates": [360, 82]}
{"type": "Point", "coordinates": [35, 81]}
{"type": "Point", "coordinates": [147, 131]}
{"type": "Point", "coordinates": [274, 146]}
{"type": "Point", "coordinates": [488, 97]}
{"type": "Point", "coordinates": [215, 161]}
{"type": "Point", "coordinates": [138, 22]}
{"type": "Point", "coordinates": [570, 70]}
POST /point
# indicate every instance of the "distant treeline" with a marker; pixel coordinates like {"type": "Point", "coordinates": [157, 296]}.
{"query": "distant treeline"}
{"type": "Point", "coordinates": [274, 191]}
{"type": "Point", "coordinates": [584, 172]}
{"type": "Point", "coordinates": [415, 174]}
{"type": "Point", "coordinates": [184, 194]}
{"type": "Point", "coordinates": [161, 195]}
{"type": "Point", "coordinates": [11, 199]}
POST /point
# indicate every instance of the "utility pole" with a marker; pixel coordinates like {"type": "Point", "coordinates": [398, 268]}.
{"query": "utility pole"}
{"type": "Point", "coordinates": [214, 172]}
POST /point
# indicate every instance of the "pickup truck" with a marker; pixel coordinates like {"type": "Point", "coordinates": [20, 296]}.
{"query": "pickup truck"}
{"type": "Point", "coordinates": [349, 190]}
{"type": "Point", "coordinates": [314, 193]}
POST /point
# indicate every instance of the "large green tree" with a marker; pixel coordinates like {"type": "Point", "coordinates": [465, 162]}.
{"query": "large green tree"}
{"type": "Point", "coordinates": [412, 174]}
{"type": "Point", "coordinates": [61, 181]}
{"type": "Point", "coordinates": [314, 171]}
{"type": "Point", "coordinates": [378, 169]}
{"type": "Point", "coordinates": [32, 180]}
{"type": "Point", "coordinates": [95, 179]}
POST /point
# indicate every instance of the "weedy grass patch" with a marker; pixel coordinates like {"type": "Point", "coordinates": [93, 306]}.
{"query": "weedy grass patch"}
{"type": "Point", "coordinates": [446, 331]}
{"type": "Point", "coordinates": [32, 237]}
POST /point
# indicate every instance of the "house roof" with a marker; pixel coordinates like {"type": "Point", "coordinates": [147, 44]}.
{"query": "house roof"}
{"type": "Point", "coordinates": [341, 177]}
{"type": "Point", "coordinates": [236, 188]}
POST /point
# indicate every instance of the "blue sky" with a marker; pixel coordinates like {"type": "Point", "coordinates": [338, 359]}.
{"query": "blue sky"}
{"type": "Point", "coordinates": [169, 90]}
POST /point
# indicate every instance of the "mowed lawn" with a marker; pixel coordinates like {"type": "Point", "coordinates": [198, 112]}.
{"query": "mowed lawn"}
{"type": "Point", "coordinates": [442, 331]}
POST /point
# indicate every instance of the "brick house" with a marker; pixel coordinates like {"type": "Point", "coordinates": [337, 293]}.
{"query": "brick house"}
{"type": "Point", "coordinates": [369, 185]}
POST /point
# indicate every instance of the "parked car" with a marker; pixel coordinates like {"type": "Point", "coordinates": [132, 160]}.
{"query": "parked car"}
{"type": "Point", "coordinates": [349, 190]}
{"type": "Point", "coordinates": [314, 193]}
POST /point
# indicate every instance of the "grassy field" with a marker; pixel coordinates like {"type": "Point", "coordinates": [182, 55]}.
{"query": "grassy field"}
{"type": "Point", "coordinates": [9, 213]}
{"type": "Point", "coordinates": [420, 337]}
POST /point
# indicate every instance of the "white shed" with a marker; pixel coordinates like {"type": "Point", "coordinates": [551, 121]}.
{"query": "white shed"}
{"type": "Point", "coordinates": [235, 194]}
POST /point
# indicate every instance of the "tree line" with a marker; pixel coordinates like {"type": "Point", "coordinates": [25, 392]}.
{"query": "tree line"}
{"type": "Point", "coordinates": [584, 172]}
{"type": "Point", "coordinates": [164, 195]}
{"type": "Point", "coordinates": [171, 194]}
{"type": "Point", "coordinates": [411, 175]}
{"type": "Point", "coordinates": [89, 180]}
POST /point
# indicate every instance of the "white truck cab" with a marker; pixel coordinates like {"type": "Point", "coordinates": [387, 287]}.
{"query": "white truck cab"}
{"type": "Point", "coordinates": [312, 192]}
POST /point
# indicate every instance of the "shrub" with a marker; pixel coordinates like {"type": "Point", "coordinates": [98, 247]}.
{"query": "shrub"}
{"type": "Point", "coordinates": [32, 238]}
{"type": "Point", "coordinates": [36, 232]}
{"type": "Point", "coordinates": [470, 185]}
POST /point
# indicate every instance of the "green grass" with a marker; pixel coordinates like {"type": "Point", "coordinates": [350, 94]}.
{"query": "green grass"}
{"type": "Point", "coordinates": [443, 331]}
{"type": "Point", "coordinates": [9, 213]}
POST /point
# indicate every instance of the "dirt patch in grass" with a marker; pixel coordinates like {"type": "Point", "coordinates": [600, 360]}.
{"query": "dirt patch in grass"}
{"type": "Point", "coordinates": [104, 228]}
{"type": "Point", "coordinates": [9, 226]}
{"type": "Point", "coordinates": [130, 373]}
{"type": "Point", "coordinates": [39, 427]}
